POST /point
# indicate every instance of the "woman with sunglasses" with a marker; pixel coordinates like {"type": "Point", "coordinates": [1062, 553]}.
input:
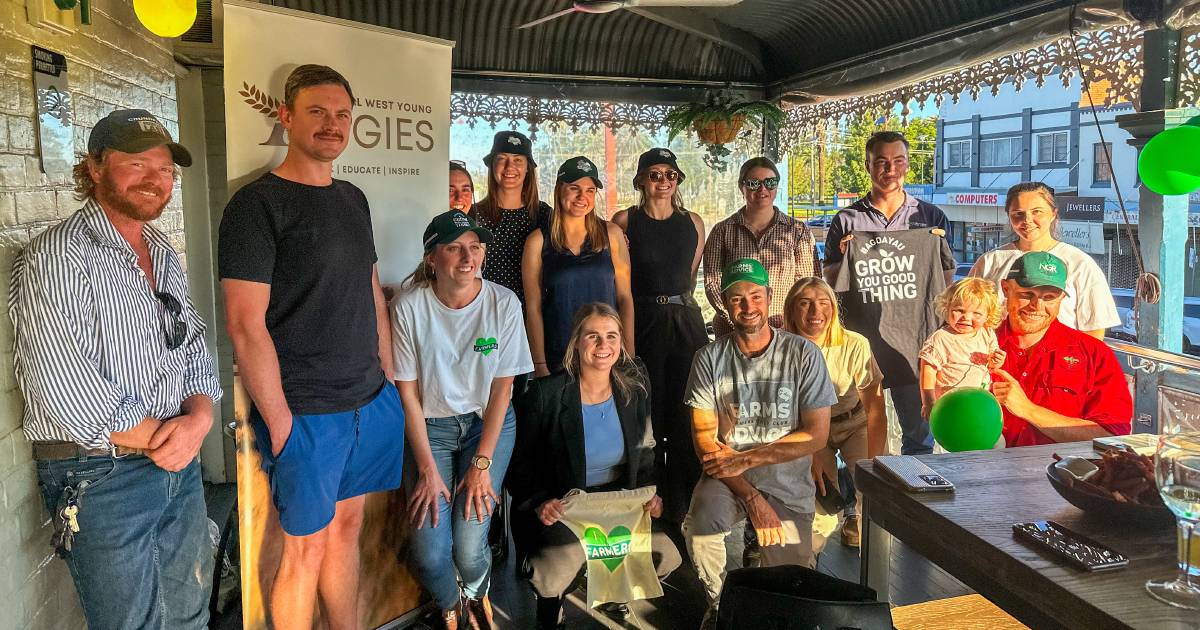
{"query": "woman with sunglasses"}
{"type": "Point", "coordinates": [666, 243]}
{"type": "Point", "coordinates": [462, 188]}
{"type": "Point", "coordinates": [578, 259]}
{"type": "Point", "coordinates": [784, 245]}
{"type": "Point", "coordinates": [511, 210]}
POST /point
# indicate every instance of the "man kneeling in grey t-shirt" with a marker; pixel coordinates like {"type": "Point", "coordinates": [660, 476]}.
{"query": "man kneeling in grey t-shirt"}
{"type": "Point", "coordinates": [760, 401]}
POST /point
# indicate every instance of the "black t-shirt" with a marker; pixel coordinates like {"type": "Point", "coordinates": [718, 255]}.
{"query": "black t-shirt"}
{"type": "Point", "coordinates": [887, 284]}
{"type": "Point", "coordinates": [314, 246]}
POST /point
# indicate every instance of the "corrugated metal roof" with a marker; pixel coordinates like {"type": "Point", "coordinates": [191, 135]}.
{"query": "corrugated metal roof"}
{"type": "Point", "coordinates": [793, 37]}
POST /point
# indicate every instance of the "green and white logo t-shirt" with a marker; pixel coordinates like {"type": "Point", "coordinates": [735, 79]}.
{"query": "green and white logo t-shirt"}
{"type": "Point", "coordinates": [455, 354]}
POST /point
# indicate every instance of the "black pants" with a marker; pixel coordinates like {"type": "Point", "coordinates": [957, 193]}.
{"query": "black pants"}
{"type": "Point", "coordinates": [667, 337]}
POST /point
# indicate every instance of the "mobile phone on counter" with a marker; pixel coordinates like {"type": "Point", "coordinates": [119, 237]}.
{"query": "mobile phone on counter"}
{"type": "Point", "coordinates": [913, 473]}
{"type": "Point", "coordinates": [1076, 549]}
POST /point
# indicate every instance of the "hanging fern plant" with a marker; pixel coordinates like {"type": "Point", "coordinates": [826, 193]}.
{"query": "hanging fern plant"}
{"type": "Point", "coordinates": [719, 121]}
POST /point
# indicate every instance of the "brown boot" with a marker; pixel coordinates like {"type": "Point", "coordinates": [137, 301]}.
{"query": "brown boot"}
{"type": "Point", "coordinates": [479, 613]}
{"type": "Point", "coordinates": [850, 532]}
{"type": "Point", "coordinates": [450, 618]}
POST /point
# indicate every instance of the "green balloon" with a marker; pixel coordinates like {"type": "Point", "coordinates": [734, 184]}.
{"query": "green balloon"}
{"type": "Point", "coordinates": [1168, 163]}
{"type": "Point", "coordinates": [967, 419]}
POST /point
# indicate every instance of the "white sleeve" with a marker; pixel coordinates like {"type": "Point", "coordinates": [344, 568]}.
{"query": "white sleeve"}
{"type": "Point", "coordinates": [514, 346]}
{"type": "Point", "coordinates": [1094, 305]}
{"type": "Point", "coordinates": [404, 345]}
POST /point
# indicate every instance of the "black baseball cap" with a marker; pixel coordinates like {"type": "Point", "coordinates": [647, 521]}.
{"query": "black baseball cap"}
{"type": "Point", "coordinates": [134, 131]}
{"type": "Point", "coordinates": [448, 226]}
{"type": "Point", "coordinates": [656, 156]}
{"type": "Point", "coordinates": [511, 142]}
{"type": "Point", "coordinates": [577, 168]}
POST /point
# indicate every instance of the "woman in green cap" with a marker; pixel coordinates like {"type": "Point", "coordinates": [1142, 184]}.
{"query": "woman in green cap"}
{"type": "Point", "coordinates": [577, 259]}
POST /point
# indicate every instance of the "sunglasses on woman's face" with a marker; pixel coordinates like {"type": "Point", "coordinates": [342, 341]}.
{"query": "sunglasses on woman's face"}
{"type": "Point", "coordinates": [754, 184]}
{"type": "Point", "coordinates": [658, 176]}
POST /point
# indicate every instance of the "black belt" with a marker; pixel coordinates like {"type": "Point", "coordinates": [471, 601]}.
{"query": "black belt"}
{"type": "Point", "coordinates": [685, 299]}
{"type": "Point", "coordinates": [71, 450]}
{"type": "Point", "coordinates": [847, 415]}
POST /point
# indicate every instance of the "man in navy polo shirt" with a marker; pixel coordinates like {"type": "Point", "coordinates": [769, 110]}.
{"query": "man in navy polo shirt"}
{"type": "Point", "coordinates": [888, 208]}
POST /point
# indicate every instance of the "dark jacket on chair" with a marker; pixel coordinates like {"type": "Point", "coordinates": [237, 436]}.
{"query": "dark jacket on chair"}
{"type": "Point", "coordinates": [548, 459]}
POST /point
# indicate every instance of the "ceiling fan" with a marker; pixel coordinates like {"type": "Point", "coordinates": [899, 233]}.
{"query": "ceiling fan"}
{"type": "Point", "coordinates": [608, 6]}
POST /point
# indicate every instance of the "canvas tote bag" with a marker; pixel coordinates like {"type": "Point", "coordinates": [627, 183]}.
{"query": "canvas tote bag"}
{"type": "Point", "coordinates": [614, 530]}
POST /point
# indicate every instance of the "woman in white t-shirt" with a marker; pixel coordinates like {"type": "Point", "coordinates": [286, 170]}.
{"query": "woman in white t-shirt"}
{"type": "Point", "coordinates": [458, 341]}
{"type": "Point", "coordinates": [1033, 214]}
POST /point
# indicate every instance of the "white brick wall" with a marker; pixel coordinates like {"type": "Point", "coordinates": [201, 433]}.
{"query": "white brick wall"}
{"type": "Point", "coordinates": [114, 63]}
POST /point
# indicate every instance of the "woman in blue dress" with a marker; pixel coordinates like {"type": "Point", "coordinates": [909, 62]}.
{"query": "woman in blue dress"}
{"type": "Point", "coordinates": [577, 259]}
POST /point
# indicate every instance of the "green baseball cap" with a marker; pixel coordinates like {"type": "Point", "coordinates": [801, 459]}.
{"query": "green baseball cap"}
{"type": "Point", "coordinates": [448, 226]}
{"type": "Point", "coordinates": [1039, 269]}
{"type": "Point", "coordinates": [577, 168]}
{"type": "Point", "coordinates": [744, 270]}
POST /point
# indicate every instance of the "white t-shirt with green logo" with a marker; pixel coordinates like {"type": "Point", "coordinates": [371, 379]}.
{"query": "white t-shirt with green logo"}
{"type": "Point", "coordinates": [455, 354]}
{"type": "Point", "coordinates": [758, 400]}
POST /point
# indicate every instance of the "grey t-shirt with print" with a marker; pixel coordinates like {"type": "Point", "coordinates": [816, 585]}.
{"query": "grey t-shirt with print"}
{"type": "Point", "coordinates": [758, 400]}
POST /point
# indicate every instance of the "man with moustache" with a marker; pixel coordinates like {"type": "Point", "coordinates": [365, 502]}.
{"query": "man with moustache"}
{"type": "Point", "coordinates": [1057, 384]}
{"type": "Point", "coordinates": [760, 401]}
{"type": "Point", "coordinates": [307, 317]}
{"type": "Point", "coordinates": [119, 386]}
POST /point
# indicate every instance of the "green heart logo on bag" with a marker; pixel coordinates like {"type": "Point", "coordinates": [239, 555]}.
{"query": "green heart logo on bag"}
{"type": "Point", "coordinates": [610, 549]}
{"type": "Point", "coordinates": [485, 346]}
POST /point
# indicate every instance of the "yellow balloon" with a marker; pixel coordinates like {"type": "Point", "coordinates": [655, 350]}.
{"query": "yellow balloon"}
{"type": "Point", "coordinates": [166, 18]}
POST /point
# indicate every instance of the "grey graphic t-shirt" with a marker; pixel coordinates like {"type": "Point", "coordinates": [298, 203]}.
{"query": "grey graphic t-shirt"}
{"type": "Point", "coordinates": [758, 400]}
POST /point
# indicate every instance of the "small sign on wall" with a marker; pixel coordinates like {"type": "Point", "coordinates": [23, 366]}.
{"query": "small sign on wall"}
{"type": "Point", "coordinates": [55, 111]}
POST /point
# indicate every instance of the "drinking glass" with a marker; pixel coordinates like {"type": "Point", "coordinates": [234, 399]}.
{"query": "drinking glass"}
{"type": "Point", "coordinates": [1177, 473]}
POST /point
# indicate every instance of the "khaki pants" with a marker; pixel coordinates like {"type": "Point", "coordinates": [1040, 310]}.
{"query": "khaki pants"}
{"type": "Point", "coordinates": [715, 528]}
{"type": "Point", "coordinates": [849, 437]}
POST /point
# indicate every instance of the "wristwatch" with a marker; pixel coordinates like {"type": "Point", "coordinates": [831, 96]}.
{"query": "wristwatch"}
{"type": "Point", "coordinates": [482, 462]}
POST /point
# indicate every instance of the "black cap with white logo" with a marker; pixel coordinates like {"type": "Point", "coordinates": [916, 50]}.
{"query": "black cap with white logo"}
{"type": "Point", "coordinates": [134, 131]}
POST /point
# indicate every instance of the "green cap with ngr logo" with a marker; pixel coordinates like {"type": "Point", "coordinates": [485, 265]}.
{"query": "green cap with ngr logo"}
{"type": "Point", "coordinates": [744, 270]}
{"type": "Point", "coordinates": [1039, 269]}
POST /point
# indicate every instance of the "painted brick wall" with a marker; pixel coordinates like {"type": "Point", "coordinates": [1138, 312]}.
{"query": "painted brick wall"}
{"type": "Point", "coordinates": [114, 63]}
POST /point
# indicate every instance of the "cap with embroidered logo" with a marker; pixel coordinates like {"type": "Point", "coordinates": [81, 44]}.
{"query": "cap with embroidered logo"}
{"type": "Point", "coordinates": [656, 156]}
{"type": "Point", "coordinates": [1039, 269]}
{"type": "Point", "coordinates": [448, 226]}
{"type": "Point", "coordinates": [744, 270]}
{"type": "Point", "coordinates": [513, 142]}
{"type": "Point", "coordinates": [577, 168]}
{"type": "Point", "coordinates": [134, 131]}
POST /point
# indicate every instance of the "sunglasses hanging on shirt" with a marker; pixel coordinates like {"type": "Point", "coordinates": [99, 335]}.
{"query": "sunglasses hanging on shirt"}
{"type": "Point", "coordinates": [754, 184]}
{"type": "Point", "coordinates": [177, 333]}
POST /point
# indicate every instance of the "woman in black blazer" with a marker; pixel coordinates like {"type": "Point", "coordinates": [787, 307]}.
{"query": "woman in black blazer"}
{"type": "Point", "coordinates": [567, 438]}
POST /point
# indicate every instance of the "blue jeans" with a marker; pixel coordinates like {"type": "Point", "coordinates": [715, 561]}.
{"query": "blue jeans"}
{"type": "Point", "coordinates": [457, 549]}
{"type": "Point", "coordinates": [142, 557]}
{"type": "Point", "coordinates": [916, 438]}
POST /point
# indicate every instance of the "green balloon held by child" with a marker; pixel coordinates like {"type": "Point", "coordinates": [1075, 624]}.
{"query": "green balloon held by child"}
{"type": "Point", "coordinates": [967, 419]}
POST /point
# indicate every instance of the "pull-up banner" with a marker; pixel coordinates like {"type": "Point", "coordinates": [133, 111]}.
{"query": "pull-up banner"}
{"type": "Point", "coordinates": [397, 154]}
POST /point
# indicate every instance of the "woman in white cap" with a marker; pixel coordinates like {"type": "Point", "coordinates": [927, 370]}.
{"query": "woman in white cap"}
{"type": "Point", "coordinates": [666, 243]}
{"type": "Point", "coordinates": [577, 259]}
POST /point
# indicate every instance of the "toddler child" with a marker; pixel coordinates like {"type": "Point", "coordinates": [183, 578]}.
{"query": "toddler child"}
{"type": "Point", "coordinates": [960, 353]}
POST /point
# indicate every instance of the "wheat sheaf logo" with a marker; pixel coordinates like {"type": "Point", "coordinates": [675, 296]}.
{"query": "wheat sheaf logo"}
{"type": "Point", "coordinates": [268, 106]}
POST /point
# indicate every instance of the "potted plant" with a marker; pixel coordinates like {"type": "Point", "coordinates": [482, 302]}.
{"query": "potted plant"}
{"type": "Point", "coordinates": [718, 121]}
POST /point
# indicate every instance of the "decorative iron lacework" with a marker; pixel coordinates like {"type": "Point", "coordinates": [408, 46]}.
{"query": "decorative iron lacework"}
{"type": "Point", "coordinates": [1111, 57]}
{"type": "Point", "coordinates": [535, 113]}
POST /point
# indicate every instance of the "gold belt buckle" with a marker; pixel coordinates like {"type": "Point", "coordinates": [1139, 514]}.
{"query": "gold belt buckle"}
{"type": "Point", "coordinates": [662, 299]}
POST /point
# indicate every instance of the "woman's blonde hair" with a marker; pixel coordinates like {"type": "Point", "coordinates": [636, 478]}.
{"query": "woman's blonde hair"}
{"type": "Point", "coordinates": [835, 334]}
{"type": "Point", "coordinates": [643, 177]}
{"type": "Point", "coordinates": [625, 374]}
{"type": "Point", "coordinates": [971, 291]}
{"type": "Point", "coordinates": [597, 231]}
{"type": "Point", "coordinates": [423, 275]}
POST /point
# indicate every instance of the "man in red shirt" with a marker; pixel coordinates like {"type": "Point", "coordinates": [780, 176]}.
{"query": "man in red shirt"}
{"type": "Point", "coordinates": [1057, 384]}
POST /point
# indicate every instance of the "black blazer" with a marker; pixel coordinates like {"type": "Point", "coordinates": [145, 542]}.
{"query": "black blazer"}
{"type": "Point", "coordinates": [548, 458]}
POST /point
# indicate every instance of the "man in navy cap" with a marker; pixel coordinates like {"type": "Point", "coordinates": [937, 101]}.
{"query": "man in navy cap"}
{"type": "Point", "coordinates": [119, 386]}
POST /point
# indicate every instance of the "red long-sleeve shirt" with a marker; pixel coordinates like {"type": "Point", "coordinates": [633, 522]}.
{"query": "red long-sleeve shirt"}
{"type": "Point", "coordinates": [1068, 372]}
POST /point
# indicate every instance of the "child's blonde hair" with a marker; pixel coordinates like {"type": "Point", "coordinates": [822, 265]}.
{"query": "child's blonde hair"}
{"type": "Point", "coordinates": [971, 291]}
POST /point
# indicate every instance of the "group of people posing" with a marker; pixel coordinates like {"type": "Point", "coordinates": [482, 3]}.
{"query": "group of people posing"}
{"type": "Point", "coordinates": [535, 348]}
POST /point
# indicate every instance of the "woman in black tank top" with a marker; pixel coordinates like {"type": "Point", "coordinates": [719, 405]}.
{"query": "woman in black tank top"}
{"type": "Point", "coordinates": [666, 243]}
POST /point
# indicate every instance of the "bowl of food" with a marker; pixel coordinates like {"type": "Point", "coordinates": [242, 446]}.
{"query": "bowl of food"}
{"type": "Point", "coordinates": [1119, 485]}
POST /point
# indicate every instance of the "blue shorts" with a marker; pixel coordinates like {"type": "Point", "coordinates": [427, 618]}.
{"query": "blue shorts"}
{"type": "Point", "coordinates": [331, 457]}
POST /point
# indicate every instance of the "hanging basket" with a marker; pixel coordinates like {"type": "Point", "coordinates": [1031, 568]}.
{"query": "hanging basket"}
{"type": "Point", "coordinates": [719, 131]}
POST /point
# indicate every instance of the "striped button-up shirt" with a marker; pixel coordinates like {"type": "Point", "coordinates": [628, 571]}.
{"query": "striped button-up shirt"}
{"type": "Point", "coordinates": [786, 249]}
{"type": "Point", "coordinates": [91, 337]}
